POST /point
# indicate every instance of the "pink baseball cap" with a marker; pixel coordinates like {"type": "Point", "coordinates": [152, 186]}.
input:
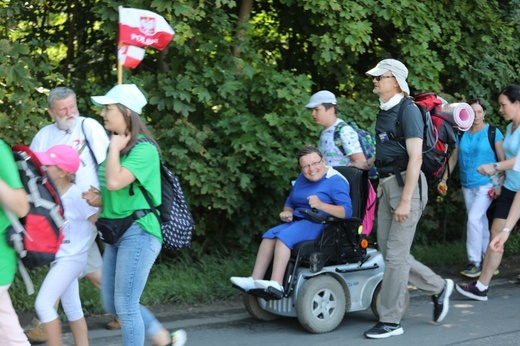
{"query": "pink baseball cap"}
{"type": "Point", "coordinates": [63, 156]}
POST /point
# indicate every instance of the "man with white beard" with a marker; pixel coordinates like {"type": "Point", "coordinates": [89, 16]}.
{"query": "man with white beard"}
{"type": "Point", "coordinates": [89, 138]}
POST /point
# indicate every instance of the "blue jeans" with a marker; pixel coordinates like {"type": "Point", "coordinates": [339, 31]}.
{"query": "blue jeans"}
{"type": "Point", "coordinates": [126, 266]}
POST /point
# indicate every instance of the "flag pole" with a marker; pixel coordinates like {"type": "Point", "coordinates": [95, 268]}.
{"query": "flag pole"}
{"type": "Point", "coordinates": [119, 72]}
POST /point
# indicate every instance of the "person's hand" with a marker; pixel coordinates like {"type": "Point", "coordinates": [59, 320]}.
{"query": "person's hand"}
{"type": "Point", "coordinates": [119, 142]}
{"type": "Point", "coordinates": [442, 188]}
{"type": "Point", "coordinates": [286, 216]}
{"type": "Point", "coordinates": [497, 243]}
{"type": "Point", "coordinates": [314, 202]}
{"type": "Point", "coordinates": [403, 211]}
{"type": "Point", "coordinates": [92, 196]}
{"type": "Point", "coordinates": [486, 169]}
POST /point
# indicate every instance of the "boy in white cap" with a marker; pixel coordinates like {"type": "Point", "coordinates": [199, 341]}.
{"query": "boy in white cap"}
{"type": "Point", "coordinates": [400, 204]}
{"type": "Point", "coordinates": [323, 105]}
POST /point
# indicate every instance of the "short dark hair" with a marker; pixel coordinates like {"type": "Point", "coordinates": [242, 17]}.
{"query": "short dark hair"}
{"type": "Point", "coordinates": [308, 149]}
{"type": "Point", "coordinates": [477, 101]}
{"type": "Point", "coordinates": [329, 105]}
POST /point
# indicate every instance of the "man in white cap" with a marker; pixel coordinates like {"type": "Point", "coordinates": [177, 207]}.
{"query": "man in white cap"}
{"type": "Point", "coordinates": [402, 194]}
{"type": "Point", "coordinates": [346, 149]}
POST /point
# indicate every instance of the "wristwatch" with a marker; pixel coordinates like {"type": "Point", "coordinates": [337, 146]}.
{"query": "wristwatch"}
{"type": "Point", "coordinates": [495, 166]}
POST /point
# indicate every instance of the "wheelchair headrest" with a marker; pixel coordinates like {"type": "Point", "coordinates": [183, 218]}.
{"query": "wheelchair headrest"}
{"type": "Point", "coordinates": [358, 180]}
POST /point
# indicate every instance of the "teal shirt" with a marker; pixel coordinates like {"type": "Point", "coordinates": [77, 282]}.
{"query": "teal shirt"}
{"type": "Point", "coordinates": [143, 161]}
{"type": "Point", "coordinates": [9, 174]}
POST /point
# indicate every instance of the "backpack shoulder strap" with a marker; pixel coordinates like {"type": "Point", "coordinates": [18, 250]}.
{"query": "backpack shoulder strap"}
{"type": "Point", "coordinates": [491, 137]}
{"type": "Point", "coordinates": [337, 137]}
{"type": "Point", "coordinates": [399, 133]}
{"type": "Point", "coordinates": [88, 144]}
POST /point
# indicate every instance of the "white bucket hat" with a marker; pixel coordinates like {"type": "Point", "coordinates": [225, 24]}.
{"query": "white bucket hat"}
{"type": "Point", "coordinates": [399, 71]}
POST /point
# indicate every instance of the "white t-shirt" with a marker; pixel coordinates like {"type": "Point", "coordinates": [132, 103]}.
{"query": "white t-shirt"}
{"type": "Point", "coordinates": [51, 135]}
{"type": "Point", "coordinates": [332, 154]}
{"type": "Point", "coordinates": [78, 235]}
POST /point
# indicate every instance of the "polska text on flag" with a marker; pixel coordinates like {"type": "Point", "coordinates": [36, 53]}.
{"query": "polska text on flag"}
{"type": "Point", "coordinates": [143, 28]}
{"type": "Point", "coordinates": [129, 56]}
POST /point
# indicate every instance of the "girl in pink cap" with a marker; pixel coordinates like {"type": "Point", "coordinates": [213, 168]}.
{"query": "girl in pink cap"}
{"type": "Point", "coordinates": [61, 282]}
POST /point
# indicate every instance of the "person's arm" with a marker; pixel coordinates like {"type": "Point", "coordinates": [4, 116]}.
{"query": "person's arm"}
{"type": "Point", "coordinates": [14, 200]}
{"type": "Point", "coordinates": [490, 168]}
{"type": "Point", "coordinates": [117, 176]}
{"type": "Point", "coordinates": [414, 150]}
{"type": "Point", "coordinates": [332, 209]}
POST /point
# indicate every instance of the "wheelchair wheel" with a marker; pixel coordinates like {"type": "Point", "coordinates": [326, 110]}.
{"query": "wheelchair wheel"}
{"type": "Point", "coordinates": [321, 304]}
{"type": "Point", "coordinates": [254, 309]}
{"type": "Point", "coordinates": [376, 300]}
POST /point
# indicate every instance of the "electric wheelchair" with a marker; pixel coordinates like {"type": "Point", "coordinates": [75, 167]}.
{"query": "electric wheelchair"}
{"type": "Point", "coordinates": [330, 276]}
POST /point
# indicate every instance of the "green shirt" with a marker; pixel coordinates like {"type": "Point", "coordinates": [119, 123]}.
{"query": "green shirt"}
{"type": "Point", "coordinates": [143, 161]}
{"type": "Point", "coordinates": [9, 174]}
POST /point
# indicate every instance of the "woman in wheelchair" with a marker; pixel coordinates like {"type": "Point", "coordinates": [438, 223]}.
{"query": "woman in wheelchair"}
{"type": "Point", "coordinates": [318, 187]}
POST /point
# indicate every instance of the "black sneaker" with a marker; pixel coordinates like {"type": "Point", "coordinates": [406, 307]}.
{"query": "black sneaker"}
{"type": "Point", "coordinates": [384, 330]}
{"type": "Point", "coordinates": [441, 301]}
{"type": "Point", "coordinates": [471, 291]}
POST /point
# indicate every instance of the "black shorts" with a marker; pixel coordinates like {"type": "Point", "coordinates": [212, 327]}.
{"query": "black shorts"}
{"type": "Point", "coordinates": [503, 203]}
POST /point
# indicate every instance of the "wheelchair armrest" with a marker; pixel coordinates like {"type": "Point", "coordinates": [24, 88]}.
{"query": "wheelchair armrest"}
{"type": "Point", "coordinates": [314, 216]}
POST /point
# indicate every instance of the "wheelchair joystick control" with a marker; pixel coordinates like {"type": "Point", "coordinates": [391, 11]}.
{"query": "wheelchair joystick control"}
{"type": "Point", "coordinates": [316, 261]}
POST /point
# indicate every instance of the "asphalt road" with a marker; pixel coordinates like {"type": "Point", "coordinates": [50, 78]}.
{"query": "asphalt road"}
{"type": "Point", "coordinates": [469, 322]}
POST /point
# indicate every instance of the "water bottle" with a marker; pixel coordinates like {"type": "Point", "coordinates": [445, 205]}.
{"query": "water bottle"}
{"type": "Point", "coordinates": [495, 180]}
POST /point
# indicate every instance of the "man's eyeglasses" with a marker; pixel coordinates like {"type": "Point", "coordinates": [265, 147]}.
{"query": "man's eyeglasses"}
{"type": "Point", "coordinates": [314, 164]}
{"type": "Point", "coordinates": [378, 78]}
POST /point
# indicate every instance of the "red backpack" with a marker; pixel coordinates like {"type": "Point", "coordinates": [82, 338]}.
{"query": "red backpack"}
{"type": "Point", "coordinates": [37, 236]}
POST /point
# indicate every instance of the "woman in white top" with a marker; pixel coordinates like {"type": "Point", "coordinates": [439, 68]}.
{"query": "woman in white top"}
{"type": "Point", "coordinates": [61, 282]}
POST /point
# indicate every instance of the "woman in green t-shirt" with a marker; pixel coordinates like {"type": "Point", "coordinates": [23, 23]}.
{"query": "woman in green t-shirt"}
{"type": "Point", "coordinates": [14, 199]}
{"type": "Point", "coordinates": [128, 261]}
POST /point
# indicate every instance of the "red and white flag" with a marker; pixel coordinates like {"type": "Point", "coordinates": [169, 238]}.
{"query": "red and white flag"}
{"type": "Point", "coordinates": [143, 28]}
{"type": "Point", "coordinates": [130, 56]}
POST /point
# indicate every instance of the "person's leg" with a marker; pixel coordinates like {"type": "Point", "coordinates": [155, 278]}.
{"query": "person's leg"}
{"type": "Point", "coordinates": [492, 259]}
{"type": "Point", "coordinates": [108, 275]}
{"type": "Point", "coordinates": [60, 277]}
{"type": "Point", "coordinates": [136, 253]}
{"type": "Point", "coordinates": [399, 238]}
{"type": "Point", "coordinates": [477, 229]}
{"type": "Point", "coordinates": [282, 254]}
{"type": "Point", "coordinates": [263, 258]}
{"type": "Point", "coordinates": [71, 302]}
{"type": "Point", "coordinates": [11, 333]}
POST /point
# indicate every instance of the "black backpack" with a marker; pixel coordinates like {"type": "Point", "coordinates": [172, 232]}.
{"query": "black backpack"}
{"type": "Point", "coordinates": [175, 218]}
{"type": "Point", "coordinates": [438, 136]}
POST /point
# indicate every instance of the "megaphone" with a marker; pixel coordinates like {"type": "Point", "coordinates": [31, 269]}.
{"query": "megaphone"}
{"type": "Point", "coordinates": [460, 115]}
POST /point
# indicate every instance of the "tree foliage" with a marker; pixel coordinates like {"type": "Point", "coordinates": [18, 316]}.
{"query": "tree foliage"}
{"type": "Point", "coordinates": [226, 97]}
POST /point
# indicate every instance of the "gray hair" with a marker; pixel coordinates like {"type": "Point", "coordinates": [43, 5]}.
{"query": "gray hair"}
{"type": "Point", "coordinates": [59, 93]}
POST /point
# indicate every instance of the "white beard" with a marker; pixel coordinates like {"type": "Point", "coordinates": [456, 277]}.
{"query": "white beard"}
{"type": "Point", "coordinates": [65, 124]}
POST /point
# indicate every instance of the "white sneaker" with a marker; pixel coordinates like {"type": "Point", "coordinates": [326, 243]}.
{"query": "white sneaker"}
{"type": "Point", "coordinates": [179, 337]}
{"type": "Point", "coordinates": [244, 283]}
{"type": "Point", "coordinates": [265, 284]}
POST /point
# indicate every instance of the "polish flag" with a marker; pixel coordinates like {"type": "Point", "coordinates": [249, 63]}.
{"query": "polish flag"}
{"type": "Point", "coordinates": [143, 28]}
{"type": "Point", "coordinates": [130, 56]}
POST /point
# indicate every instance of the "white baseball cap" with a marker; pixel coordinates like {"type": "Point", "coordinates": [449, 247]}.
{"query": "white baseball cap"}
{"type": "Point", "coordinates": [128, 95]}
{"type": "Point", "coordinates": [321, 97]}
{"type": "Point", "coordinates": [398, 69]}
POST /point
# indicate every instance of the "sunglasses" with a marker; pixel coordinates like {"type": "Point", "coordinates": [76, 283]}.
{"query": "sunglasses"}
{"type": "Point", "coordinates": [378, 78]}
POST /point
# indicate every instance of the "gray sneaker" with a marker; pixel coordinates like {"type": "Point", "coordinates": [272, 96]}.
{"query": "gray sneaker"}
{"type": "Point", "coordinates": [384, 330]}
{"type": "Point", "coordinates": [471, 271]}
